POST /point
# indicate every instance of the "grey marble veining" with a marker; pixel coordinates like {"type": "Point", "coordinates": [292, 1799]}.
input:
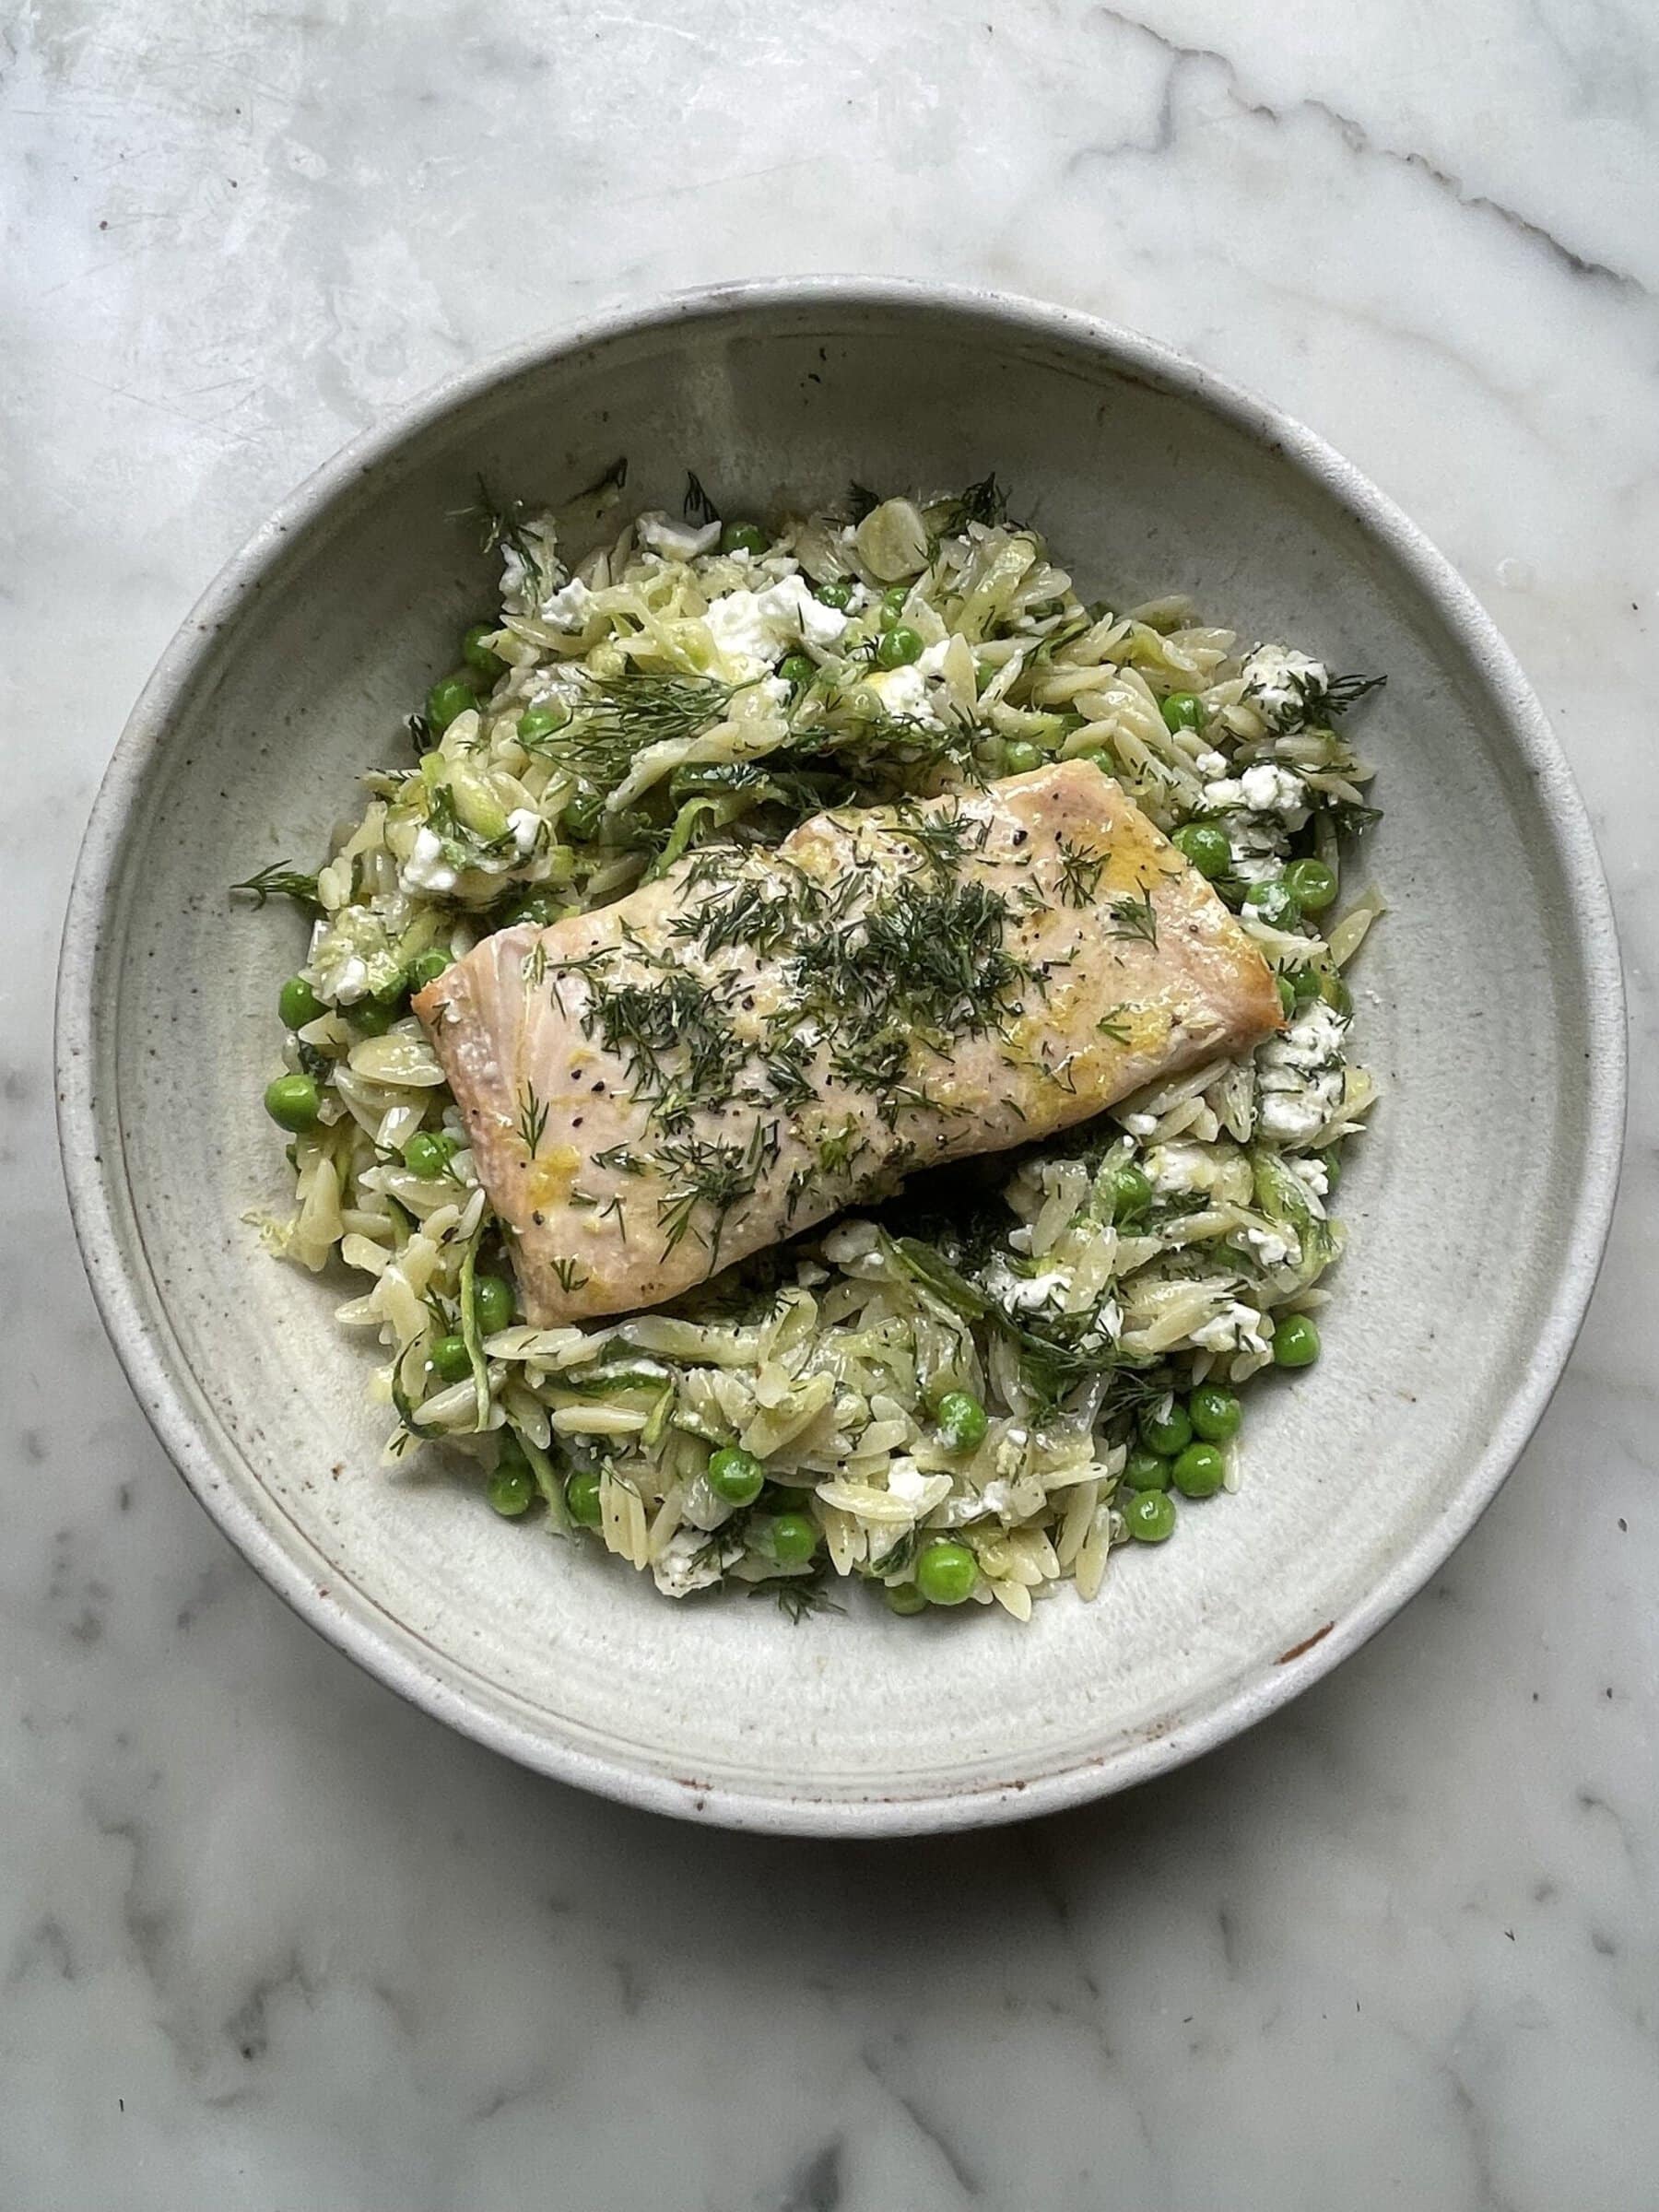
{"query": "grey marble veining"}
{"type": "Point", "coordinates": [269, 1939]}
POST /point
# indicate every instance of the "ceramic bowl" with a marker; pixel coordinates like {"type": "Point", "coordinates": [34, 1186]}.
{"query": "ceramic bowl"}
{"type": "Point", "coordinates": [1490, 1006]}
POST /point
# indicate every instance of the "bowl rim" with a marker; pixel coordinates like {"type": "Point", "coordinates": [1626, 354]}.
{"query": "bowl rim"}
{"type": "Point", "coordinates": [126, 1294]}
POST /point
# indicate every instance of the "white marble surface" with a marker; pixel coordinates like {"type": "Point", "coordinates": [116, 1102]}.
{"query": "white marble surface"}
{"type": "Point", "coordinates": [270, 1940]}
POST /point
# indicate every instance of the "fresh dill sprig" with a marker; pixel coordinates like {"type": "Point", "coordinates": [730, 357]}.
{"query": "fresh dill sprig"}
{"type": "Point", "coordinates": [709, 1177]}
{"type": "Point", "coordinates": [502, 528]}
{"type": "Point", "coordinates": [984, 502]}
{"type": "Point", "coordinates": [672, 1036]}
{"type": "Point", "coordinates": [1132, 917]}
{"type": "Point", "coordinates": [1340, 692]}
{"type": "Point", "coordinates": [615, 717]}
{"type": "Point", "coordinates": [609, 479]}
{"type": "Point", "coordinates": [697, 506]}
{"type": "Point", "coordinates": [798, 1596]}
{"type": "Point", "coordinates": [570, 1275]}
{"type": "Point", "coordinates": [280, 881]}
{"type": "Point", "coordinates": [1111, 1024]}
{"type": "Point", "coordinates": [1348, 818]}
{"type": "Point", "coordinates": [532, 1121]}
{"type": "Point", "coordinates": [943, 835]}
{"type": "Point", "coordinates": [1080, 873]}
{"type": "Point", "coordinates": [861, 500]}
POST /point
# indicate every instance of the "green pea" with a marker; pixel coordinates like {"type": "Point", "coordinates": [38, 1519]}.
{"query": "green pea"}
{"type": "Point", "coordinates": [797, 669]}
{"type": "Point", "coordinates": [1131, 1191]}
{"type": "Point", "coordinates": [1215, 1413]}
{"type": "Point", "coordinates": [743, 537]}
{"type": "Point", "coordinates": [945, 1573]}
{"type": "Point", "coordinates": [453, 696]}
{"type": "Point", "coordinates": [1312, 884]}
{"type": "Point", "coordinates": [292, 1102]}
{"type": "Point", "coordinates": [582, 816]}
{"type": "Point", "coordinates": [1170, 1434]}
{"type": "Point", "coordinates": [1205, 844]}
{"type": "Point", "coordinates": [1182, 711]}
{"type": "Point", "coordinates": [477, 654]}
{"type": "Point", "coordinates": [1199, 1471]}
{"type": "Point", "coordinates": [370, 1017]}
{"type": "Point", "coordinates": [1150, 1516]}
{"type": "Point", "coordinates": [427, 1153]}
{"type": "Point", "coordinates": [1275, 902]}
{"type": "Point", "coordinates": [1286, 997]}
{"type": "Point", "coordinates": [962, 1421]}
{"type": "Point", "coordinates": [298, 1002]}
{"type": "Point", "coordinates": [735, 1474]}
{"type": "Point", "coordinates": [1022, 757]}
{"type": "Point", "coordinates": [450, 1359]}
{"type": "Point", "coordinates": [539, 908]}
{"type": "Point", "coordinates": [536, 723]}
{"type": "Point", "coordinates": [892, 603]}
{"type": "Point", "coordinates": [582, 1498]}
{"type": "Point", "coordinates": [898, 647]}
{"type": "Point", "coordinates": [1145, 1470]}
{"type": "Point", "coordinates": [1102, 761]}
{"type": "Point", "coordinates": [1295, 1341]}
{"type": "Point", "coordinates": [837, 593]}
{"type": "Point", "coordinates": [904, 1597]}
{"type": "Point", "coordinates": [794, 1539]}
{"type": "Point", "coordinates": [426, 967]}
{"type": "Point", "coordinates": [511, 1490]}
{"type": "Point", "coordinates": [492, 1304]}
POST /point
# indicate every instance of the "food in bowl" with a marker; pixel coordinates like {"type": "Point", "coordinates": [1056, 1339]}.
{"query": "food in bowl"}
{"type": "Point", "coordinates": [828, 1055]}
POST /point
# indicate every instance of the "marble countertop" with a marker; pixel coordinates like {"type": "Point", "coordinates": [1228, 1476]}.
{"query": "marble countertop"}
{"type": "Point", "coordinates": [268, 1938]}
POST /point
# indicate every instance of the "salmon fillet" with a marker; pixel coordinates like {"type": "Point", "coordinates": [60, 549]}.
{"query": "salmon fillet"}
{"type": "Point", "coordinates": [766, 1035]}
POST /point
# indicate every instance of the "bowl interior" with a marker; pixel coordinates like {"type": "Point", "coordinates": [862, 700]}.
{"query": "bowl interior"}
{"type": "Point", "coordinates": [1462, 1203]}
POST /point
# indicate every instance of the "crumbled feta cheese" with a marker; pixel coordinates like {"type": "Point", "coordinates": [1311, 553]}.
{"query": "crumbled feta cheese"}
{"type": "Point", "coordinates": [1262, 788]}
{"type": "Point", "coordinates": [1281, 684]}
{"type": "Point", "coordinates": [932, 661]}
{"type": "Point", "coordinates": [1270, 789]}
{"type": "Point", "coordinates": [1139, 1125]}
{"type": "Point", "coordinates": [525, 825]}
{"type": "Point", "coordinates": [678, 1570]}
{"type": "Point", "coordinates": [906, 1481]}
{"type": "Point", "coordinates": [1293, 1117]}
{"type": "Point", "coordinates": [902, 691]}
{"type": "Point", "coordinates": [1313, 1177]}
{"type": "Point", "coordinates": [1236, 1328]}
{"type": "Point", "coordinates": [425, 868]}
{"type": "Point", "coordinates": [1211, 764]}
{"type": "Point", "coordinates": [1024, 1293]}
{"type": "Point", "coordinates": [997, 1497]}
{"type": "Point", "coordinates": [761, 626]}
{"type": "Point", "coordinates": [1312, 1039]}
{"type": "Point", "coordinates": [567, 608]}
{"type": "Point", "coordinates": [820, 625]}
{"type": "Point", "coordinates": [1299, 1074]}
{"type": "Point", "coordinates": [676, 541]}
{"type": "Point", "coordinates": [352, 980]}
{"type": "Point", "coordinates": [1271, 1249]}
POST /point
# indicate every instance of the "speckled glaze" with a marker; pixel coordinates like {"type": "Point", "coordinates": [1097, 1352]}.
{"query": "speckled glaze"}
{"type": "Point", "coordinates": [1489, 1001]}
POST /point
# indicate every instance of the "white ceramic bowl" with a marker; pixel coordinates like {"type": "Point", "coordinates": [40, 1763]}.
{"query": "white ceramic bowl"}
{"type": "Point", "coordinates": [1490, 1003]}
